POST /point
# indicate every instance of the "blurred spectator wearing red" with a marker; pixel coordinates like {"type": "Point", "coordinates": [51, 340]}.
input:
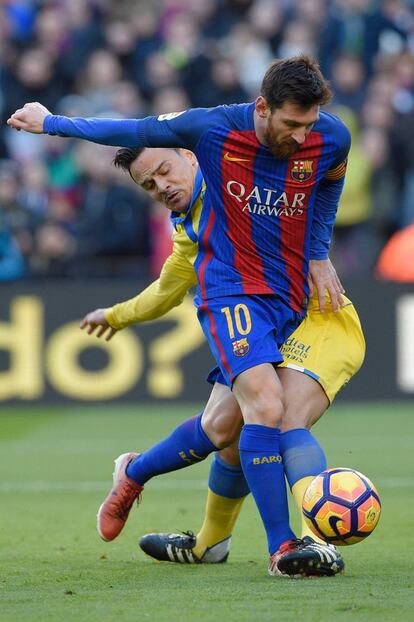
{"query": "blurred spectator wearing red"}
{"type": "Point", "coordinates": [396, 261]}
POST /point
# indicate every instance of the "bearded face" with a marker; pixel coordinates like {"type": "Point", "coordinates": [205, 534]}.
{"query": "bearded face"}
{"type": "Point", "coordinates": [282, 147]}
{"type": "Point", "coordinates": [285, 129]}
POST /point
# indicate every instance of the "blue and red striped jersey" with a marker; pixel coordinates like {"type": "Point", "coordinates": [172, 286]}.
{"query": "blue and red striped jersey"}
{"type": "Point", "coordinates": [263, 218]}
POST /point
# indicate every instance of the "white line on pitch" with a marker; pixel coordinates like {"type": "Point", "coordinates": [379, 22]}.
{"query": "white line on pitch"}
{"type": "Point", "coordinates": [44, 486]}
{"type": "Point", "coordinates": [156, 484]}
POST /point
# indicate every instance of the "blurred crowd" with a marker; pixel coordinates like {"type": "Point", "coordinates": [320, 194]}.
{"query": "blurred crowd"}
{"type": "Point", "coordinates": [64, 208]}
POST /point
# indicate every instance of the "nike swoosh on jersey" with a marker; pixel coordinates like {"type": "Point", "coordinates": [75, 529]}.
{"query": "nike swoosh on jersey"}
{"type": "Point", "coordinates": [230, 158]}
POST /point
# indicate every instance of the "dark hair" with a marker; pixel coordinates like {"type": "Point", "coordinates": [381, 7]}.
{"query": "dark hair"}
{"type": "Point", "coordinates": [298, 80]}
{"type": "Point", "coordinates": [125, 156]}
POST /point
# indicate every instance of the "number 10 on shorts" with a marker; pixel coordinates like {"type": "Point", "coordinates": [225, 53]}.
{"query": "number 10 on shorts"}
{"type": "Point", "coordinates": [239, 316]}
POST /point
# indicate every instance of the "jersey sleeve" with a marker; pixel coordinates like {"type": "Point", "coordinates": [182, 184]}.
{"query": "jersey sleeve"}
{"type": "Point", "coordinates": [326, 206]}
{"type": "Point", "coordinates": [328, 195]}
{"type": "Point", "coordinates": [182, 129]}
{"type": "Point", "coordinates": [176, 278]}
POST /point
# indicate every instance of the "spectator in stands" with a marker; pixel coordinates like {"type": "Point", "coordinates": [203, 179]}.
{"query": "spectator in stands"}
{"type": "Point", "coordinates": [348, 81]}
{"type": "Point", "coordinates": [11, 259]}
{"type": "Point", "coordinates": [113, 215]}
{"type": "Point", "coordinates": [32, 78]}
{"type": "Point", "coordinates": [17, 223]}
{"type": "Point", "coordinates": [354, 249]}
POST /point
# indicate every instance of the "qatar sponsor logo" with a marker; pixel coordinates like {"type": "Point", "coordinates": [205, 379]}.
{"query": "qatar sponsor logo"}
{"type": "Point", "coordinates": [267, 201]}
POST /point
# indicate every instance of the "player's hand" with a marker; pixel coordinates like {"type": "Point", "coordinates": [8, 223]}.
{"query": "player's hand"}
{"type": "Point", "coordinates": [323, 277]}
{"type": "Point", "coordinates": [96, 320]}
{"type": "Point", "coordinates": [30, 118]}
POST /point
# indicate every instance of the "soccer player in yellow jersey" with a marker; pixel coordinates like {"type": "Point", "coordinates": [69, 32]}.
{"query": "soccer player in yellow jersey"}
{"type": "Point", "coordinates": [319, 359]}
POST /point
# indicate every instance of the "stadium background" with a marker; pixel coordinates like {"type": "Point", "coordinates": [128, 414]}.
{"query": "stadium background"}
{"type": "Point", "coordinates": [71, 224]}
{"type": "Point", "coordinates": [76, 234]}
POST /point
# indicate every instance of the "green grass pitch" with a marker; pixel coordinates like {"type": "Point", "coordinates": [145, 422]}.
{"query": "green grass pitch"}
{"type": "Point", "coordinates": [56, 467]}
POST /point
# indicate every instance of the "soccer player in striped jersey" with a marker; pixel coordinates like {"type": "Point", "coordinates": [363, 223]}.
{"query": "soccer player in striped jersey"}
{"type": "Point", "coordinates": [324, 368]}
{"type": "Point", "coordinates": [274, 173]}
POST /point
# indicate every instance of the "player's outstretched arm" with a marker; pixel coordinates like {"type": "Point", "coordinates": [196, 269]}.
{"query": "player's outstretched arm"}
{"type": "Point", "coordinates": [154, 302]}
{"type": "Point", "coordinates": [30, 118]}
{"type": "Point", "coordinates": [323, 277]}
{"type": "Point", "coordinates": [37, 119]}
{"type": "Point", "coordinates": [168, 291]}
{"type": "Point", "coordinates": [95, 321]}
{"type": "Point", "coordinates": [182, 129]}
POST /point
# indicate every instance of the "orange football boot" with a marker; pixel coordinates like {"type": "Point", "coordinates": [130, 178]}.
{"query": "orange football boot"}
{"type": "Point", "coordinates": [114, 511]}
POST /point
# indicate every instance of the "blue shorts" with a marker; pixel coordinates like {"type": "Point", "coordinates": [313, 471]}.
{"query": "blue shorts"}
{"type": "Point", "coordinates": [245, 331]}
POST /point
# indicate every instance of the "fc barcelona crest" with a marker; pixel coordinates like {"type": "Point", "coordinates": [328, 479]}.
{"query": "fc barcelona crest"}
{"type": "Point", "coordinates": [301, 170]}
{"type": "Point", "coordinates": [240, 347]}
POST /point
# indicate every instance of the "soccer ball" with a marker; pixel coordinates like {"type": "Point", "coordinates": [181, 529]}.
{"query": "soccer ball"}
{"type": "Point", "coordinates": [341, 506]}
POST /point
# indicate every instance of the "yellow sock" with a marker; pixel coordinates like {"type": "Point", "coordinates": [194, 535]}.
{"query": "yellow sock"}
{"type": "Point", "coordinates": [298, 490]}
{"type": "Point", "coordinates": [220, 517]}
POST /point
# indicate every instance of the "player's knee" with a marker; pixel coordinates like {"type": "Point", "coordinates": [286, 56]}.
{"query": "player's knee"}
{"type": "Point", "coordinates": [222, 423]}
{"type": "Point", "coordinates": [292, 421]}
{"type": "Point", "coordinates": [225, 437]}
{"type": "Point", "coordinates": [304, 414]}
{"type": "Point", "coordinates": [265, 409]}
{"type": "Point", "coordinates": [224, 429]}
{"type": "Point", "coordinates": [296, 418]}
